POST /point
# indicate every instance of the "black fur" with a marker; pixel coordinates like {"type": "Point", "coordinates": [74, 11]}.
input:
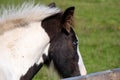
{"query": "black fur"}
{"type": "Point", "coordinates": [31, 72]}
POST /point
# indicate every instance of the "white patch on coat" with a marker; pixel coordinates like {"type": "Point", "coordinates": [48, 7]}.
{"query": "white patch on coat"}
{"type": "Point", "coordinates": [4, 73]}
{"type": "Point", "coordinates": [20, 49]}
{"type": "Point", "coordinates": [44, 52]}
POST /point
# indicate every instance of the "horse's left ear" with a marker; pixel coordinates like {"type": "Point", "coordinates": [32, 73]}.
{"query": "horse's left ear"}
{"type": "Point", "coordinates": [67, 18]}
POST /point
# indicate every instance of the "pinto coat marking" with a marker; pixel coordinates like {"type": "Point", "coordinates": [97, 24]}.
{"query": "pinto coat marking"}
{"type": "Point", "coordinates": [19, 51]}
{"type": "Point", "coordinates": [31, 35]}
{"type": "Point", "coordinates": [22, 46]}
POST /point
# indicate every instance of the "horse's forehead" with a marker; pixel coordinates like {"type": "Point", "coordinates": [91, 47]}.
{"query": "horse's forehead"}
{"type": "Point", "coordinates": [52, 24]}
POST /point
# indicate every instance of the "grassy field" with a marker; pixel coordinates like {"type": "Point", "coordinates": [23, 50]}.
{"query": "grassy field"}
{"type": "Point", "coordinates": [98, 28]}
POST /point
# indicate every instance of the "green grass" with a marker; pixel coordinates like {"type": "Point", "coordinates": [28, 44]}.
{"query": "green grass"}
{"type": "Point", "coordinates": [98, 29]}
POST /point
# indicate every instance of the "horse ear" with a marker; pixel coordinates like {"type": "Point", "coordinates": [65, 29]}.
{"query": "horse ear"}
{"type": "Point", "coordinates": [52, 5]}
{"type": "Point", "coordinates": [67, 18]}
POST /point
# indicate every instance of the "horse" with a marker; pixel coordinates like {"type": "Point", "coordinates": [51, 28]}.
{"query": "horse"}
{"type": "Point", "coordinates": [33, 35]}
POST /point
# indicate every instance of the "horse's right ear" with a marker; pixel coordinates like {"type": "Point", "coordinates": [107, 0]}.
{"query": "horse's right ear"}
{"type": "Point", "coordinates": [52, 5]}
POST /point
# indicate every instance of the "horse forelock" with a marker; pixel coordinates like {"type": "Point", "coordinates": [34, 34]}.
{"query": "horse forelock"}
{"type": "Point", "coordinates": [14, 16]}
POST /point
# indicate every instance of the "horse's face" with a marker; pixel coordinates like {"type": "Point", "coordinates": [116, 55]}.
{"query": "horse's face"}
{"type": "Point", "coordinates": [63, 50]}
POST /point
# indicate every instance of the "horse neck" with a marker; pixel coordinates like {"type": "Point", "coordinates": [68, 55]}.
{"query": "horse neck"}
{"type": "Point", "coordinates": [22, 47]}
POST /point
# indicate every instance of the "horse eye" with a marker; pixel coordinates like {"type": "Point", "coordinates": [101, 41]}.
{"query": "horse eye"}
{"type": "Point", "coordinates": [75, 43]}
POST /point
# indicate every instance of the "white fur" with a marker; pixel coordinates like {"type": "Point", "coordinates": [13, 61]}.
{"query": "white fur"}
{"type": "Point", "coordinates": [44, 52]}
{"type": "Point", "coordinates": [20, 49]}
{"type": "Point", "coordinates": [27, 12]}
{"type": "Point", "coordinates": [82, 68]}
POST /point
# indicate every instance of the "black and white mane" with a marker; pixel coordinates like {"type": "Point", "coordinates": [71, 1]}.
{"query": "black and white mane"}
{"type": "Point", "coordinates": [33, 35]}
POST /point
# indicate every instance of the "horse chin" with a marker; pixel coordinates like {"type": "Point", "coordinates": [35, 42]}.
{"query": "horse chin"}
{"type": "Point", "coordinates": [77, 73]}
{"type": "Point", "coordinates": [74, 74]}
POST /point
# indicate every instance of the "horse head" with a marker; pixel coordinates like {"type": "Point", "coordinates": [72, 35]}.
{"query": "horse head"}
{"type": "Point", "coordinates": [63, 50]}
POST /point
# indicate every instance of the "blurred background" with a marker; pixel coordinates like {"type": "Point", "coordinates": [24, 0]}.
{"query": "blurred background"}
{"type": "Point", "coordinates": [97, 24]}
